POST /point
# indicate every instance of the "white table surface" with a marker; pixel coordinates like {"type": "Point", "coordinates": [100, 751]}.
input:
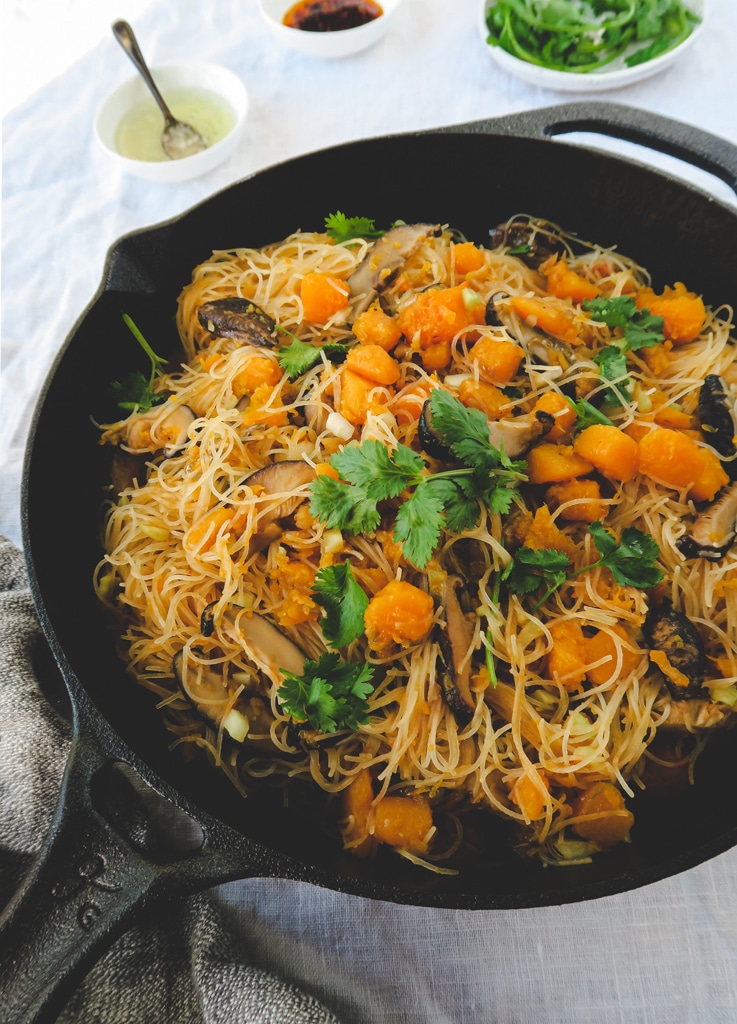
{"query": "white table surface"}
{"type": "Point", "coordinates": [666, 953]}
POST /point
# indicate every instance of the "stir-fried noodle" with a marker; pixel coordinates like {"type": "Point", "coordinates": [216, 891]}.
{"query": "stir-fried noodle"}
{"type": "Point", "coordinates": [548, 699]}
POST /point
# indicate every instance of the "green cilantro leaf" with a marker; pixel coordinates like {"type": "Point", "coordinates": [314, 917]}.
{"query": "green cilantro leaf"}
{"type": "Point", "coordinates": [371, 473]}
{"type": "Point", "coordinates": [342, 229]}
{"type": "Point", "coordinates": [341, 506]}
{"type": "Point", "coordinates": [632, 560]}
{"type": "Point", "coordinates": [419, 522]}
{"type": "Point", "coordinates": [464, 430]}
{"type": "Point", "coordinates": [134, 392]}
{"type": "Point", "coordinates": [377, 471]}
{"type": "Point", "coordinates": [640, 328]}
{"type": "Point", "coordinates": [344, 601]}
{"type": "Point", "coordinates": [587, 414]}
{"type": "Point", "coordinates": [300, 356]}
{"type": "Point", "coordinates": [612, 364]}
{"type": "Point", "coordinates": [330, 694]}
{"type": "Point", "coordinates": [530, 568]}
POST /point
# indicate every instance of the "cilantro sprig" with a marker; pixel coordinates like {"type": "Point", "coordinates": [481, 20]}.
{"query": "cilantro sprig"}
{"type": "Point", "coordinates": [587, 414]}
{"type": "Point", "coordinates": [370, 473]}
{"type": "Point", "coordinates": [331, 693]}
{"type": "Point", "coordinates": [639, 329]}
{"type": "Point", "coordinates": [134, 392]}
{"type": "Point", "coordinates": [343, 229]}
{"type": "Point", "coordinates": [631, 561]}
{"type": "Point", "coordinates": [343, 600]}
{"type": "Point", "coordinates": [300, 356]}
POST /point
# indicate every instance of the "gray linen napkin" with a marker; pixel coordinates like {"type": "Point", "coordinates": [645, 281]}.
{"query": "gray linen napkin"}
{"type": "Point", "coordinates": [190, 968]}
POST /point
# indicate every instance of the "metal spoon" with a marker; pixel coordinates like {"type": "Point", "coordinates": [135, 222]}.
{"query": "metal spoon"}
{"type": "Point", "coordinates": [177, 139]}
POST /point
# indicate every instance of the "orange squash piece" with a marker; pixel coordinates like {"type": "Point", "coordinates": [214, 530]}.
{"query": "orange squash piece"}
{"type": "Point", "coordinates": [542, 532]}
{"type": "Point", "coordinates": [436, 356]}
{"type": "Point", "coordinates": [551, 463]}
{"type": "Point", "coordinates": [609, 820]}
{"type": "Point", "coordinates": [609, 449]}
{"type": "Point", "coordinates": [487, 398]}
{"type": "Point", "coordinates": [566, 660]}
{"type": "Point", "coordinates": [358, 396]}
{"type": "Point", "coordinates": [404, 822]}
{"type": "Point", "coordinates": [439, 314]}
{"type": "Point", "coordinates": [529, 796]}
{"type": "Point", "coordinates": [407, 406]}
{"type": "Point", "coordinates": [675, 459]}
{"type": "Point", "coordinates": [374, 363]}
{"type": "Point", "coordinates": [565, 283]}
{"type": "Point", "coordinates": [263, 411]}
{"type": "Point", "coordinates": [561, 410]}
{"type": "Point", "coordinates": [356, 802]}
{"type": "Point", "coordinates": [256, 370]}
{"type": "Point", "coordinates": [497, 360]}
{"type": "Point", "coordinates": [375, 327]}
{"type": "Point", "coordinates": [399, 614]}
{"type": "Point", "coordinates": [683, 312]}
{"type": "Point", "coordinates": [585, 493]}
{"type": "Point", "coordinates": [323, 295]}
{"type": "Point", "coordinates": [467, 258]}
{"type": "Point", "coordinates": [556, 319]}
{"type": "Point", "coordinates": [602, 645]}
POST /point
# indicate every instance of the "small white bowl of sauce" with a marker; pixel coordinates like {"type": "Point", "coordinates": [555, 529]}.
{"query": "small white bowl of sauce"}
{"type": "Point", "coordinates": [328, 28]}
{"type": "Point", "coordinates": [211, 98]}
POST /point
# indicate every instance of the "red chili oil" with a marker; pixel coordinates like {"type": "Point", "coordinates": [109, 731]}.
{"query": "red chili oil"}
{"type": "Point", "coordinates": [331, 15]}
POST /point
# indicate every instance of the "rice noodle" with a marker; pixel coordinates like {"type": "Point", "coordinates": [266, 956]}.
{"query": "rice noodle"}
{"type": "Point", "coordinates": [163, 566]}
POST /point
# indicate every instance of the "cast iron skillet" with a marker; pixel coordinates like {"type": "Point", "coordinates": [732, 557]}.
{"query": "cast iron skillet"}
{"type": "Point", "coordinates": [102, 863]}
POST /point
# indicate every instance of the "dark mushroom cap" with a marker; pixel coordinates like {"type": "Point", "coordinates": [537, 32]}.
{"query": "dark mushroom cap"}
{"type": "Point", "coordinates": [240, 319]}
{"type": "Point", "coordinates": [677, 649]}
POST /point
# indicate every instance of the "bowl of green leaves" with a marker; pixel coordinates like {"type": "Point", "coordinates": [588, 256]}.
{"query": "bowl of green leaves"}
{"type": "Point", "coordinates": [588, 45]}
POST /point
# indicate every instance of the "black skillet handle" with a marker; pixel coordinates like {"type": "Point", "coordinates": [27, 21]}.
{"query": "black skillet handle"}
{"type": "Point", "coordinates": [666, 135]}
{"type": "Point", "coordinates": [86, 887]}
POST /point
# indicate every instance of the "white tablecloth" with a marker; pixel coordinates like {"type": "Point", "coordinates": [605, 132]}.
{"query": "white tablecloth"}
{"type": "Point", "coordinates": [666, 953]}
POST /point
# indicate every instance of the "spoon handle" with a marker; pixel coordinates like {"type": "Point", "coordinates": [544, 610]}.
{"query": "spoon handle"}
{"type": "Point", "coordinates": [125, 36]}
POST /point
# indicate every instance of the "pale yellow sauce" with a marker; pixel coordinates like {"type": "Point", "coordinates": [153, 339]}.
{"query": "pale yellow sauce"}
{"type": "Point", "coordinates": [138, 135]}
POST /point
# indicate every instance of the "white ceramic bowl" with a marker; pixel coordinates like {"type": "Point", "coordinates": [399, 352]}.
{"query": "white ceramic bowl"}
{"type": "Point", "coordinates": [612, 76]}
{"type": "Point", "coordinates": [211, 77]}
{"type": "Point", "coordinates": [326, 44]}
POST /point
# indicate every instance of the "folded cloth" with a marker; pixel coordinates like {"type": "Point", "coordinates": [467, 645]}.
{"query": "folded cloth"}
{"type": "Point", "coordinates": [189, 968]}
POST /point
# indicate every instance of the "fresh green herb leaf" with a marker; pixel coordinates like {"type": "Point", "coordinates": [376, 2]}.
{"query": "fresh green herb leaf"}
{"type": "Point", "coordinates": [639, 328]}
{"type": "Point", "coordinates": [344, 602]}
{"type": "Point", "coordinates": [581, 36]}
{"type": "Point", "coordinates": [632, 560]}
{"type": "Point", "coordinates": [587, 414]}
{"type": "Point", "coordinates": [371, 473]}
{"type": "Point", "coordinates": [376, 470]}
{"type": "Point", "coordinates": [466, 432]}
{"type": "Point", "coordinates": [612, 364]}
{"type": "Point", "coordinates": [419, 522]}
{"type": "Point", "coordinates": [331, 694]}
{"type": "Point", "coordinates": [489, 656]}
{"type": "Point", "coordinates": [134, 392]}
{"type": "Point", "coordinates": [530, 568]}
{"type": "Point", "coordinates": [342, 229]}
{"type": "Point", "coordinates": [300, 356]}
{"type": "Point", "coordinates": [342, 506]}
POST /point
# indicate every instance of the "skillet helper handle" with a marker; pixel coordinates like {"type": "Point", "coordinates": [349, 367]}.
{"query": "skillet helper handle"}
{"type": "Point", "coordinates": [83, 891]}
{"type": "Point", "coordinates": [664, 134]}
